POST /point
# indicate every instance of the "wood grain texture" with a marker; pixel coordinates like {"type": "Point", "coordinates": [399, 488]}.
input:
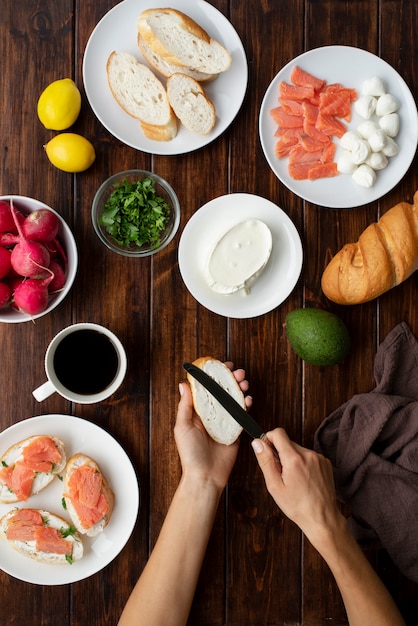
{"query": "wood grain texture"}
{"type": "Point", "coordinates": [259, 570]}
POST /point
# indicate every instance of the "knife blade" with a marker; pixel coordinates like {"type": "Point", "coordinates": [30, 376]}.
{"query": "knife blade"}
{"type": "Point", "coordinates": [229, 403]}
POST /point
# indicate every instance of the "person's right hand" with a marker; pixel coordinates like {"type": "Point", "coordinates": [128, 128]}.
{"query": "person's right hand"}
{"type": "Point", "coordinates": [301, 483]}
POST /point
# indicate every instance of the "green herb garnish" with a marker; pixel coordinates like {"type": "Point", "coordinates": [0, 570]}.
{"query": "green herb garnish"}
{"type": "Point", "coordinates": [70, 531]}
{"type": "Point", "coordinates": [134, 214]}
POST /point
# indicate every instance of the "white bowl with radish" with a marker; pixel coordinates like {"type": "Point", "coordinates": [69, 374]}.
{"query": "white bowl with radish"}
{"type": "Point", "coordinates": [38, 259]}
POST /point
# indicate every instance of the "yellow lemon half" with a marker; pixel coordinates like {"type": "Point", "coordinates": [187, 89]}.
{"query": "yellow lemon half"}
{"type": "Point", "coordinates": [70, 152]}
{"type": "Point", "coordinates": [59, 104]}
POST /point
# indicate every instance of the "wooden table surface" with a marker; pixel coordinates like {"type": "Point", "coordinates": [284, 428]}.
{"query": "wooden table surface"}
{"type": "Point", "coordinates": [259, 570]}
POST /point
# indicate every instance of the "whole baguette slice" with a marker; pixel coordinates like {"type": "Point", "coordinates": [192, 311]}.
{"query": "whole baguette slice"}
{"type": "Point", "coordinates": [181, 41]}
{"type": "Point", "coordinates": [30, 548]}
{"type": "Point", "coordinates": [216, 420]}
{"type": "Point", "coordinates": [191, 104]}
{"type": "Point", "coordinates": [15, 455]}
{"type": "Point", "coordinates": [141, 94]}
{"type": "Point", "coordinates": [165, 68]}
{"type": "Point", "coordinates": [385, 255]}
{"type": "Point", "coordinates": [71, 496]}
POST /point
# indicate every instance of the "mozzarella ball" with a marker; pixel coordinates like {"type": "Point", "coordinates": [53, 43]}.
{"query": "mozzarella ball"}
{"type": "Point", "coordinates": [390, 124]}
{"type": "Point", "coordinates": [373, 87]}
{"type": "Point", "coordinates": [377, 160]}
{"type": "Point", "coordinates": [360, 151]}
{"type": "Point", "coordinates": [377, 140]}
{"type": "Point", "coordinates": [365, 176]}
{"type": "Point", "coordinates": [365, 129]}
{"type": "Point", "coordinates": [386, 104]}
{"type": "Point", "coordinates": [345, 163]}
{"type": "Point", "coordinates": [365, 106]}
{"type": "Point", "coordinates": [348, 139]}
{"type": "Point", "coordinates": [391, 148]}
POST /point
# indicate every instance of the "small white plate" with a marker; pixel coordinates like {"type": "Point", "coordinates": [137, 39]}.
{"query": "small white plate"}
{"type": "Point", "coordinates": [117, 31]}
{"type": "Point", "coordinates": [349, 66]}
{"type": "Point", "coordinates": [208, 225]}
{"type": "Point", "coordinates": [79, 436]}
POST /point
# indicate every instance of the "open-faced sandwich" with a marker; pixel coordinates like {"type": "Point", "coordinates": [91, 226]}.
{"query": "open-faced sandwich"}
{"type": "Point", "coordinates": [41, 535]}
{"type": "Point", "coordinates": [29, 466]}
{"type": "Point", "coordinates": [88, 497]}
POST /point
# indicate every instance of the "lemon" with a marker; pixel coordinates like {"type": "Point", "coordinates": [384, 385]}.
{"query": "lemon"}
{"type": "Point", "coordinates": [70, 152]}
{"type": "Point", "coordinates": [59, 104]}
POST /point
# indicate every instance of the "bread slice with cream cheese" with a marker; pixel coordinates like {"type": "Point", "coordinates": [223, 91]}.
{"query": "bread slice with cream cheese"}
{"type": "Point", "coordinates": [219, 424]}
{"type": "Point", "coordinates": [42, 536]}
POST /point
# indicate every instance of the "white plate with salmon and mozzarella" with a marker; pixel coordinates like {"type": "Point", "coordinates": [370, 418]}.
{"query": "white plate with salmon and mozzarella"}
{"type": "Point", "coordinates": [338, 126]}
{"type": "Point", "coordinates": [240, 255]}
{"type": "Point", "coordinates": [44, 507]}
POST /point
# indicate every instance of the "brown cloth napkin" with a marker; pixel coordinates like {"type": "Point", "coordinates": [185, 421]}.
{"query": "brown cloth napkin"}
{"type": "Point", "coordinates": [372, 442]}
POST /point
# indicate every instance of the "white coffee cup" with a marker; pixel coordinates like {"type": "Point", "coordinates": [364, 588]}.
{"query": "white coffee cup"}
{"type": "Point", "coordinates": [84, 363]}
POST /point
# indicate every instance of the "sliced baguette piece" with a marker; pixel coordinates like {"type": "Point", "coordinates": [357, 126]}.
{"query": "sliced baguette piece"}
{"type": "Point", "coordinates": [89, 518]}
{"type": "Point", "coordinates": [219, 424]}
{"type": "Point", "coordinates": [140, 93]}
{"type": "Point", "coordinates": [165, 68]}
{"type": "Point", "coordinates": [181, 41]}
{"type": "Point", "coordinates": [18, 533]}
{"type": "Point", "coordinates": [190, 103]}
{"type": "Point", "coordinates": [15, 455]}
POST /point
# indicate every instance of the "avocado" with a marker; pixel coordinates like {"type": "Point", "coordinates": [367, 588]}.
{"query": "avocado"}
{"type": "Point", "coordinates": [317, 336]}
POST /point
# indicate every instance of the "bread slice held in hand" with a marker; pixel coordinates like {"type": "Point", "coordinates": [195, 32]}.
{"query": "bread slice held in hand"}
{"type": "Point", "coordinates": [219, 424]}
{"type": "Point", "coordinates": [181, 41]}
{"type": "Point", "coordinates": [141, 95]}
{"type": "Point", "coordinates": [191, 104]}
{"type": "Point", "coordinates": [42, 536]}
{"type": "Point", "coordinates": [88, 497]}
{"type": "Point", "coordinates": [385, 255]}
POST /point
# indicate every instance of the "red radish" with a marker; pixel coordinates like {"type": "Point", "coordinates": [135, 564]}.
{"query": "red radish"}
{"type": "Point", "coordinates": [5, 262]}
{"type": "Point", "coordinates": [58, 281]}
{"type": "Point", "coordinates": [32, 295]}
{"type": "Point", "coordinates": [8, 239]}
{"type": "Point", "coordinates": [5, 294]}
{"type": "Point", "coordinates": [41, 225]}
{"type": "Point", "coordinates": [7, 223]}
{"type": "Point", "coordinates": [28, 255]}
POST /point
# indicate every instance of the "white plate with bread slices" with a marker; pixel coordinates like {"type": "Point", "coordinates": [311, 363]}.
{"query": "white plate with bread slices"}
{"type": "Point", "coordinates": [208, 226]}
{"type": "Point", "coordinates": [125, 107]}
{"type": "Point", "coordinates": [83, 440]}
{"type": "Point", "coordinates": [351, 67]}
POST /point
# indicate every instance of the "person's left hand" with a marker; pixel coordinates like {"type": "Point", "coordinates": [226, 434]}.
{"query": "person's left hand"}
{"type": "Point", "coordinates": [201, 456]}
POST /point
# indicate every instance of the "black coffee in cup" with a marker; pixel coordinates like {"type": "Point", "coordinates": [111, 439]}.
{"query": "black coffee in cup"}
{"type": "Point", "coordinates": [86, 361]}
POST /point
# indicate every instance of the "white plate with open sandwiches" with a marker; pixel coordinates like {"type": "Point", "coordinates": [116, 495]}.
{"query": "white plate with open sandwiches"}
{"type": "Point", "coordinates": [78, 435]}
{"type": "Point", "coordinates": [209, 224]}
{"type": "Point", "coordinates": [117, 31]}
{"type": "Point", "coordinates": [351, 67]}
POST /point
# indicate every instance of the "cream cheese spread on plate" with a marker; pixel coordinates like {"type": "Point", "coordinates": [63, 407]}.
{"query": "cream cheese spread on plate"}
{"type": "Point", "coordinates": [239, 257]}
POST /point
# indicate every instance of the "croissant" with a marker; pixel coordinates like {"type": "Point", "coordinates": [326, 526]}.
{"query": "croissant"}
{"type": "Point", "coordinates": [385, 255]}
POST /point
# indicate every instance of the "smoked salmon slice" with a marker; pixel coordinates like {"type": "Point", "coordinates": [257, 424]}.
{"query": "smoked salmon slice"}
{"type": "Point", "coordinates": [39, 456]}
{"type": "Point", "coordinates": [85, 490]}
{"type": "Point", "coordinates": [50, 540]}
{"type": "Point", "coordinates": [308, 116]}
{"type": "Point", "coordinates": [23, 524]}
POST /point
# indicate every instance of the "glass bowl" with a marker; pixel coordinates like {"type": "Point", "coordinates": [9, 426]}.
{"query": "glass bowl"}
{"type": "Point", "coordinates": [27, 205]}
{"type": "Point", "coordinates": [162, 189]}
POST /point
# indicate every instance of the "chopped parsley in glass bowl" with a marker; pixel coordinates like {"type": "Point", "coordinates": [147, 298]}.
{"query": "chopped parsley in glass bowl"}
{"type": "Point", "coordinates": [136, 213]}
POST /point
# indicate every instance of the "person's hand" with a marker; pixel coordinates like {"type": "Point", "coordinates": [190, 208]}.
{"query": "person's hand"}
{"type": "Point", "coordinates": [201, 456]}
{"type": "Point", "coordinates": [301, 483]}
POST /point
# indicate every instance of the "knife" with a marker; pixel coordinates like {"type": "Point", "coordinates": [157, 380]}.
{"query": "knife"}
{"type": "Point", "coordinates": [239, 414]}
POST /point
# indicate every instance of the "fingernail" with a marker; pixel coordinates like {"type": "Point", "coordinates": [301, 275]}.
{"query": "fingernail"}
{"type": "Point", "coordinates": [181, 389]}
{"type": "Point", "coordinates": [257, 446]}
